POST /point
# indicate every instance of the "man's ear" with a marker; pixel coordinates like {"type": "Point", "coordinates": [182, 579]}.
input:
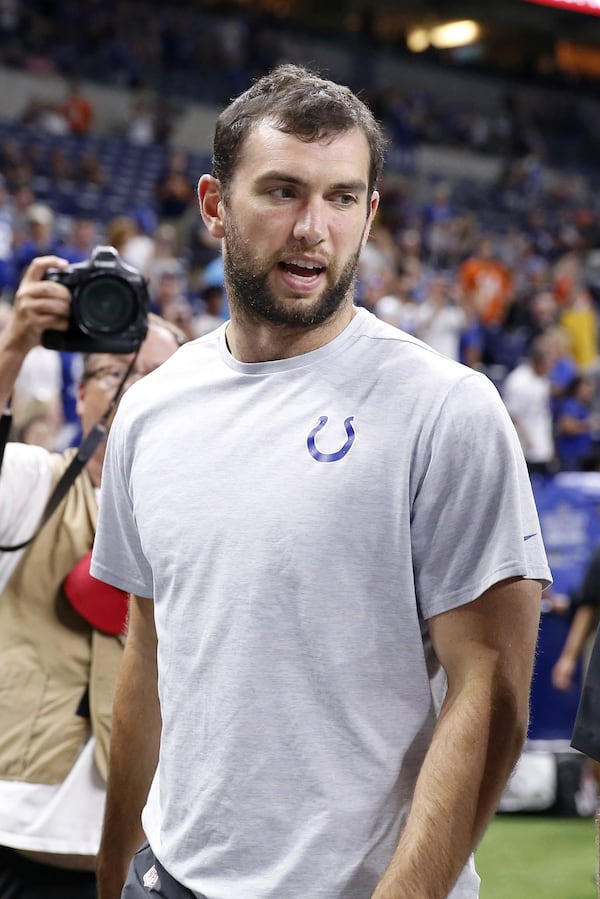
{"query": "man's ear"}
{"type": "Point", "coordinates": [373, 206]}
{"type": "Point", "coordinates": [211, 205]}
{"type": "Point", "coordinates": [80, 402]}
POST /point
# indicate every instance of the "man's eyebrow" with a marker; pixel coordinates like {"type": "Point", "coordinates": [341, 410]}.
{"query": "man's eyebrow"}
{"type": "Point", "coordinates": [277, 175]}
{"type": "Point", "coordinates": [356, 185]}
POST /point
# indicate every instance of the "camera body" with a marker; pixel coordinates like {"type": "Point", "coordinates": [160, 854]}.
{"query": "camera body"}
{"type": "Point", "coordinates": [109, 305]}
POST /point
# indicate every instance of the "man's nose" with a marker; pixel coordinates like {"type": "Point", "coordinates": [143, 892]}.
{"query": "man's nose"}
{"type": "Point", "coordinates": [310, 226]}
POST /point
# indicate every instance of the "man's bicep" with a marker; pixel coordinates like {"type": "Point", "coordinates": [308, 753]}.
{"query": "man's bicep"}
{"type": "Point", "coordinates": [495, 634]}
{"type": "Point", "coordinates": [137, 690]}
{"type": "Point", "coordinates": [141, 631]}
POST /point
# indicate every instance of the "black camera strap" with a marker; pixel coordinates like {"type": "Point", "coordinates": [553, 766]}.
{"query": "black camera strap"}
{"type": "Point", "coordinates": [85, 451]}
{"type": "Point", "coordinates": [5, 423]}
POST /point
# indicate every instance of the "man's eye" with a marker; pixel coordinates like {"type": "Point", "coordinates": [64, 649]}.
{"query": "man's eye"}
{"type": "Point", "coordinates": [346, 199]}
{"type": "Point", "coordinates": [282, 193]}
{"type": "Point", "coordinates": [114, 376]}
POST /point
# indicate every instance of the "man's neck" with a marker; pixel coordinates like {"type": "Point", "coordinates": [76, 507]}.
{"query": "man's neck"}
{"type": "Point", "coordinates": [266, 342]}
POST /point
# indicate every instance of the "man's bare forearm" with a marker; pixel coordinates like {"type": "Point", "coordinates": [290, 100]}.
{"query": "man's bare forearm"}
{"type": "Point", "coordinates": [487, 650]}
{"type": "Point", "coordinates": [133, 757]}
{"type": "Point", "coordinates": [459, 786]}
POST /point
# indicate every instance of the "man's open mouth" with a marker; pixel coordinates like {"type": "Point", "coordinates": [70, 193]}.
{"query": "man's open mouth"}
{"type": "Point", "coordinates": [302, 269]}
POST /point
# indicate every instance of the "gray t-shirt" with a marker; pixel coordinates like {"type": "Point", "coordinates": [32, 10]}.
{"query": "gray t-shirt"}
{"type": "Point", "coordinates": [297, 522]}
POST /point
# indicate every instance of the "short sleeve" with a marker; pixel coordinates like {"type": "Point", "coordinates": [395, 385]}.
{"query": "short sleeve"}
{"type": "Point", "coordinates": [117, 556]}
{"type": "Point", "coordinates": [474, 520]}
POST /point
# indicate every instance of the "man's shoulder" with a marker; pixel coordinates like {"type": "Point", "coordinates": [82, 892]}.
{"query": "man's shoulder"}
{"type": "Point", "coordinates": [415, 355]}
{"type": "Point", "coordinates": [28, 457]}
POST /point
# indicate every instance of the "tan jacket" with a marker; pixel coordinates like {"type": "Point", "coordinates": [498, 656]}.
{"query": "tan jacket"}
{"type": "Point", "coordinates": [49, 654]}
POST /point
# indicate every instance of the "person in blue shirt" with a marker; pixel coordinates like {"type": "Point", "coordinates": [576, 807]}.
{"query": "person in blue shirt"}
{"type": "Point", "coordinates": [576, 423]}
{"type": "Point", "coordinates": [41, 238]}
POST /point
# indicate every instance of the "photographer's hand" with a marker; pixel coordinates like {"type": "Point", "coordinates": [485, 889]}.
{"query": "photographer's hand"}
{"type": "Point", "coordinates": [38, 305]}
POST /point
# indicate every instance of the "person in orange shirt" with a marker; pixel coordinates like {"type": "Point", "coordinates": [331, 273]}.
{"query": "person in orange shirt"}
{"type": "Point", "coordinates": [77, 109]}
{"type": "Point", "coordinates": [486, 283]}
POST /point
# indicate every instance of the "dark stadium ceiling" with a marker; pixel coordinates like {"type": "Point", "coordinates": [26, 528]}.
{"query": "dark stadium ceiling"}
{"type": "Point", "coordinates": [397, 14]}
{"type": "Point", "coordinates": [514, 35]}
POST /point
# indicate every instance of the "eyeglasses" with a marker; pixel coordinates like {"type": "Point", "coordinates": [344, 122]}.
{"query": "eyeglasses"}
{"type": "Point", "coordinates": [110, 377]}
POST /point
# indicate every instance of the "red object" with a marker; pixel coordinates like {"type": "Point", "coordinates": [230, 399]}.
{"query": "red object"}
{"type": "Point", "coordinates": [591, 7]}
{"type": "Point", "coordinates": [103, 606]}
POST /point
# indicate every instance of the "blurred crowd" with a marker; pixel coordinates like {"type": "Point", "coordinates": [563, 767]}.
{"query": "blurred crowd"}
{"type": "Point", "coordinates": [502, 275]}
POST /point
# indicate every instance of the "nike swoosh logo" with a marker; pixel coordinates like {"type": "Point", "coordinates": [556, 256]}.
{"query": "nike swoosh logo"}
{"type": "Point", "coordinates": [529, 536]}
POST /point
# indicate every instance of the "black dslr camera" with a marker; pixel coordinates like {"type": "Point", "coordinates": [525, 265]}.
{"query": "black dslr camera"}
{"type": "Point", "coordinates": [109, 305]}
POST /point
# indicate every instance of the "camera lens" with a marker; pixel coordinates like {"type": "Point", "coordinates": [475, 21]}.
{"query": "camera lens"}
{"type": "Point", "coordinates": [106, 304]}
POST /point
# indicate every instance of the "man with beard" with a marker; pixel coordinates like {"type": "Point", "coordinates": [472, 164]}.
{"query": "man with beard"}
{"type": "Point", "coordinates": [334, 555]}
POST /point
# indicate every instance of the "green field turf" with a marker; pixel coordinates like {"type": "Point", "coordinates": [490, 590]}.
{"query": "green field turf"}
{"type": "Point", "coordinates": [524, 857]}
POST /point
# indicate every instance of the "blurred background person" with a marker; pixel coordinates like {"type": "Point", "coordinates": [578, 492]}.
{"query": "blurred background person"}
{"type": "Point", "coordinates": [61, 636]}
{"type": "Point", "coordinates": [439, 319]}
{"type": "Point", "coordinates": [577, 427]}
{"type": "Point", "coordinates": [526, 393]}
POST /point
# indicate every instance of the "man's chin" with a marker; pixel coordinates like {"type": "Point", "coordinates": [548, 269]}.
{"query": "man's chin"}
{"type": "Point", "coordinates": [302, 312]}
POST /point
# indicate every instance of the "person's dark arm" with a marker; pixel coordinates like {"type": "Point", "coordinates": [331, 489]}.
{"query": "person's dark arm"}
{"type": "Point", "coordinates": [582, 625]}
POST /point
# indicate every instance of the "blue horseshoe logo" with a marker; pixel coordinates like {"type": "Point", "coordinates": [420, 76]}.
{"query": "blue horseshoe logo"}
{"type": "Point", "coordinates": [330, 457]}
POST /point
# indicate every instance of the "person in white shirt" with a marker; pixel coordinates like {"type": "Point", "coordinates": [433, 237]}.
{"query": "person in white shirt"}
{"type": "Point", "coordinates": [439, 319]}
{"type": "Point", "coordinates": [57, 665]}
{"type": "Point", "coordinates": [527, 393]}
{"type": "Point", "coordinates": [320, 519]}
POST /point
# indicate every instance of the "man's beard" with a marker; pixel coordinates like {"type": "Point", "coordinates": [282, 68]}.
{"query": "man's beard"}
{"type": "Point", "coordinates": [250, 294]}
